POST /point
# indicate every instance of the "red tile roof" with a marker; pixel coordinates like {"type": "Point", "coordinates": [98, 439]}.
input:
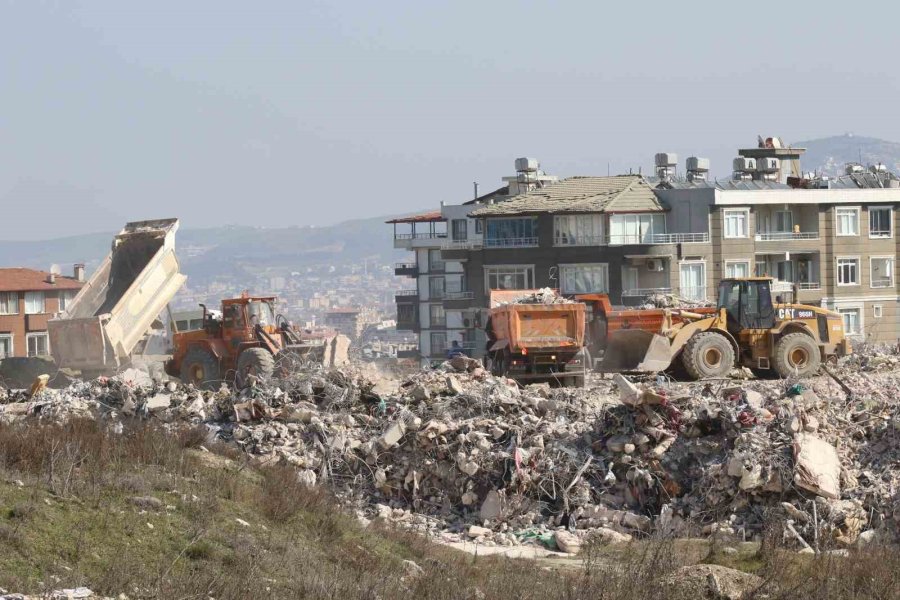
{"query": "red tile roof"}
{"type": "Point", "coordinates": [429, 217]}
{"type": "Point", "coordinates": [30, 280]}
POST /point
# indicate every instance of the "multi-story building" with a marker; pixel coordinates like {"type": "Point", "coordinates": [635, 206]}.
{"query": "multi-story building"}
{"type": "Point", "coordinates": [28, 299]}
{"type": "Point", "coordinates": [441, 307]}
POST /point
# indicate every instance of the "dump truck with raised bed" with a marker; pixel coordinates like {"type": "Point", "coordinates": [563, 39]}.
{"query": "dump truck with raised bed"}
{"type": "Point", "coordinates": [534, 343]}
{"type": "Point", "coordinates": [117, 306]}
{"type": "Point", "coordinates": [246, 338]}
{"type": "Point", "coordinates": [745, 329]}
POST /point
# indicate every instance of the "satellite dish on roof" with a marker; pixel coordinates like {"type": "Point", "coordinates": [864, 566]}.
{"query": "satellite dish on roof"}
{"type": "Point", "coordinates": [54, 269]}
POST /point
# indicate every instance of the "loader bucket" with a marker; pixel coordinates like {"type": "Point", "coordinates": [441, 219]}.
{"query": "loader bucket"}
{"type": "Point", "coordinates": [636, 350]}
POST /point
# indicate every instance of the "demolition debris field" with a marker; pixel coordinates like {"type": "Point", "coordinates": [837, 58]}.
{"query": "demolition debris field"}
{"type": "Point", "coordinates": [233, 493]}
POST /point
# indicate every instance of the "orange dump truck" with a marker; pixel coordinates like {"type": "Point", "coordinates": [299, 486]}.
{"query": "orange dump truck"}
{"type": "Point", "coordinates": [537, 342]}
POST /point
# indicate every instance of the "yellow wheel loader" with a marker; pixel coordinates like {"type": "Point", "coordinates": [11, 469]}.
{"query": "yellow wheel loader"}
{"type": "Point", "coordinates": [747, 329]}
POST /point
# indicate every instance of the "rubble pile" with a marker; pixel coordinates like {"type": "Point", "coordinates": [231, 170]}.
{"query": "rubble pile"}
{"type": "Point", "coordinates": [662, 300]}
{"type": "Point", "coordinates": [461, 454]}
{"type": "Point", "coordinates": [542, 296]}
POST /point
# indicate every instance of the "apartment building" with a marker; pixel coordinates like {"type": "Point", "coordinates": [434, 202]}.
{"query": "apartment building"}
{"type": "Point", "coordinates": [28, 299]}
{"type": "Point", "coordinates": [441, 307]}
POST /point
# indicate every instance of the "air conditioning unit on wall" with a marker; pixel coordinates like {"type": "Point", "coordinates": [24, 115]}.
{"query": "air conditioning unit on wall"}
{"type": "Point", "coordinates": [655, 264]}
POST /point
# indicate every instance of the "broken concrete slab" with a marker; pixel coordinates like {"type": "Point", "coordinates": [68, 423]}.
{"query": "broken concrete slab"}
{"type": "Point", "coordinates": [817, 466]}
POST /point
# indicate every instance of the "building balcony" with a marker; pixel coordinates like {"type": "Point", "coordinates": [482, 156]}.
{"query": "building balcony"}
{"type": "Point", "coordinates": [809, 285]}
{"type": "Point", "coordinates": [406, 269]}
{"type": "Point", "coordinates": [786, 236]}
{"type": "Point", "coordinates": [525, 242]}
{"type": "Point", "coordinates": [655, 239]}
{"type": "Point", "coordinates": [427, 239]}
{"type": "Point", "coordinates": [458, 300]}
{"type": "Point", "coordinates": [406, 296]}
{"type": "Point", "coordinates": [459, 249]}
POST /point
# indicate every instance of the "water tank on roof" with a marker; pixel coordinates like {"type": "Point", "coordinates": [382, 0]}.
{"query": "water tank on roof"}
{"type": "Point", "coordinates": [767, 165]}
{"type": "Point", "coordinates": [666, 159]}
{"type": "Point", "coordinates": [700, 165]}
{"type": "Point", "coordinates": [743, 164]}
{"type": "Point", "coordinates": [854, 169]}
{"type": "Point", "coordinates": [527, 164]}
{"type": "Point", "coordinates": [879, 168]}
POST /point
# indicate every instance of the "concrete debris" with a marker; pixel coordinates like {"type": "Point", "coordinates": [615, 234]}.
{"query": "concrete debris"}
{"type": "Point", "coordinates": [461, 454]}
{"type": "Point", "coordinates": [712, 581]}
{"type": "Point", "coordinates": [567, 542]}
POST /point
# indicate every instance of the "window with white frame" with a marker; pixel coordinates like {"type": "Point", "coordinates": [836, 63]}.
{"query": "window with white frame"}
{"type": "Point", "coordinates": [847, 219]}
{"type": "Point", "coordinates": [437, 287]}
{"type": "Point", "coordinates": [34, 303]}
{"type": "Point", "coordinates": [736, 223]}
{"type": "Point", "coordinates": [65, 298]}
{"type": "Point", "coordinates": [877, 311]}
{"type": "Point", "coordinates": [509, 277]}
{"type": "Point", "coordinates": [636, 228]}
{"type": "Point", "coordinates": [852, 320]}
{"type": "Point", "coordinates": [6, 345]}
{"type": "Point", "coordinates": [848, 271]}
{"type": "Point", "coordinates": [584, 279]}
{"type": "Point", "coordinates": [737, 268]}
{"type": "Point", "coordinates": [9, 303]}
{"type": "Point", "coordinates": [437, 315]}
{"type": "Point", "coordinates": [38, 344]}
{"type": "Point", "coordinates": [881, 271]}
{"type": "Point", "coordinates": [435, 261]}
{"type": "Point", "coordinates": [880, 221]}
{"type": "Point", "coordinates": [438, 342]}
{"type": "Point", "coordinates": [693, 280]}
{"type": "Point", "coordinates": [578, 230]}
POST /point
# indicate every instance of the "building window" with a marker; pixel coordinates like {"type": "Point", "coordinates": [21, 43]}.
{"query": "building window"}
{"type": "Point", "coordinates": [847, 221]}
{"type": "Point", "coordinates": [34, 303]}
{"type": "Point", "coordinates": [877, 311]}
{"type": "Point", "coordinates": [578, 230]}
{"type": "Point", "coordinates": [479, 227]}
{"type": "Point", "coordinates": [784, 271]}
{"type": "Point", "coordinates": [436, 287]}
{"type": "Point", "coordinates": [852, 320]}
{"type": "Point", "coordinates": [438, 342]}
{"type": "Point", "coordinates": [880, 222]}
{"type": "Point", "coordinates": [848, 271]}
{"type": "Point", "coordinates": [438, 318]}
{"type": "Point", "coordinates": [509, 278]}
{"type": "Point", "coordinates": [784, 221]}
{"type": "Point", "coordinates": [406, 313]}
{"type": "Point", "coordinates": [435, 262]}
{"type": "Point", "coordinates": [584, 279]}
{"type": "Point", "coordinates": [693, 280]}
{"type": "Point", "coordinates": [65, 299]}
{"type": "Point", "coordinates": [636, 229]}
{"type": "Point", "coordinates": [736, 223]}
{"type": "Point", "coordinates": [9, 303]}
{"type": "Point", "coordinates": [511, 233]}
{"type": "Point", "coordinates": [38, 344]}
{"type": "Point", "coordinates": [737, 268]}
{"type": "Point", "coordinates": [881, 271]}
{"type": "Point", "coordinates": [459, 230]}
{"type": "Point", "coordinates": [6, 345]}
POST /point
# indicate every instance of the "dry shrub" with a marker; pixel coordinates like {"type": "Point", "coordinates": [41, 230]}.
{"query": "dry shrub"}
{"type": "Point", "coordinates": [283, 495]}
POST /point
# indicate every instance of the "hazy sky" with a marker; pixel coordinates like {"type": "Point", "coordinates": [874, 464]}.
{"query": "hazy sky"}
{"type": "Point", "coordinates": [302, 112]}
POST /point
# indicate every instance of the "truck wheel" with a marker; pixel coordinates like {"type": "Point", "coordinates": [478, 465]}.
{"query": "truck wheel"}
{"type": "Point", "coordinates": [708, 354]}
{"type": "Point", "coordinates": [797, 354]}
{"type": "Point", "coordinates": [200, 368]}
{"type": "Point", "coordinates": [255, 361]}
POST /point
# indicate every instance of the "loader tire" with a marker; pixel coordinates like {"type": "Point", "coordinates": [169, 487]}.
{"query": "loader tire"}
{"type": "Point", "coordinates": [708, 354]}
{"type": "Point", "coordinates": [797, 355]}
{"type": "Point", "coordinates": [255, 361]}
{"type": "Point", "coordinates": [200, 368]}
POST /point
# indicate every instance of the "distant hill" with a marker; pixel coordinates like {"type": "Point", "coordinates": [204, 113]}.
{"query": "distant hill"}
{"type": "Point", "coordinates": [234, 250]}
{"type": "Point", "coordinates": [828, 156]}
